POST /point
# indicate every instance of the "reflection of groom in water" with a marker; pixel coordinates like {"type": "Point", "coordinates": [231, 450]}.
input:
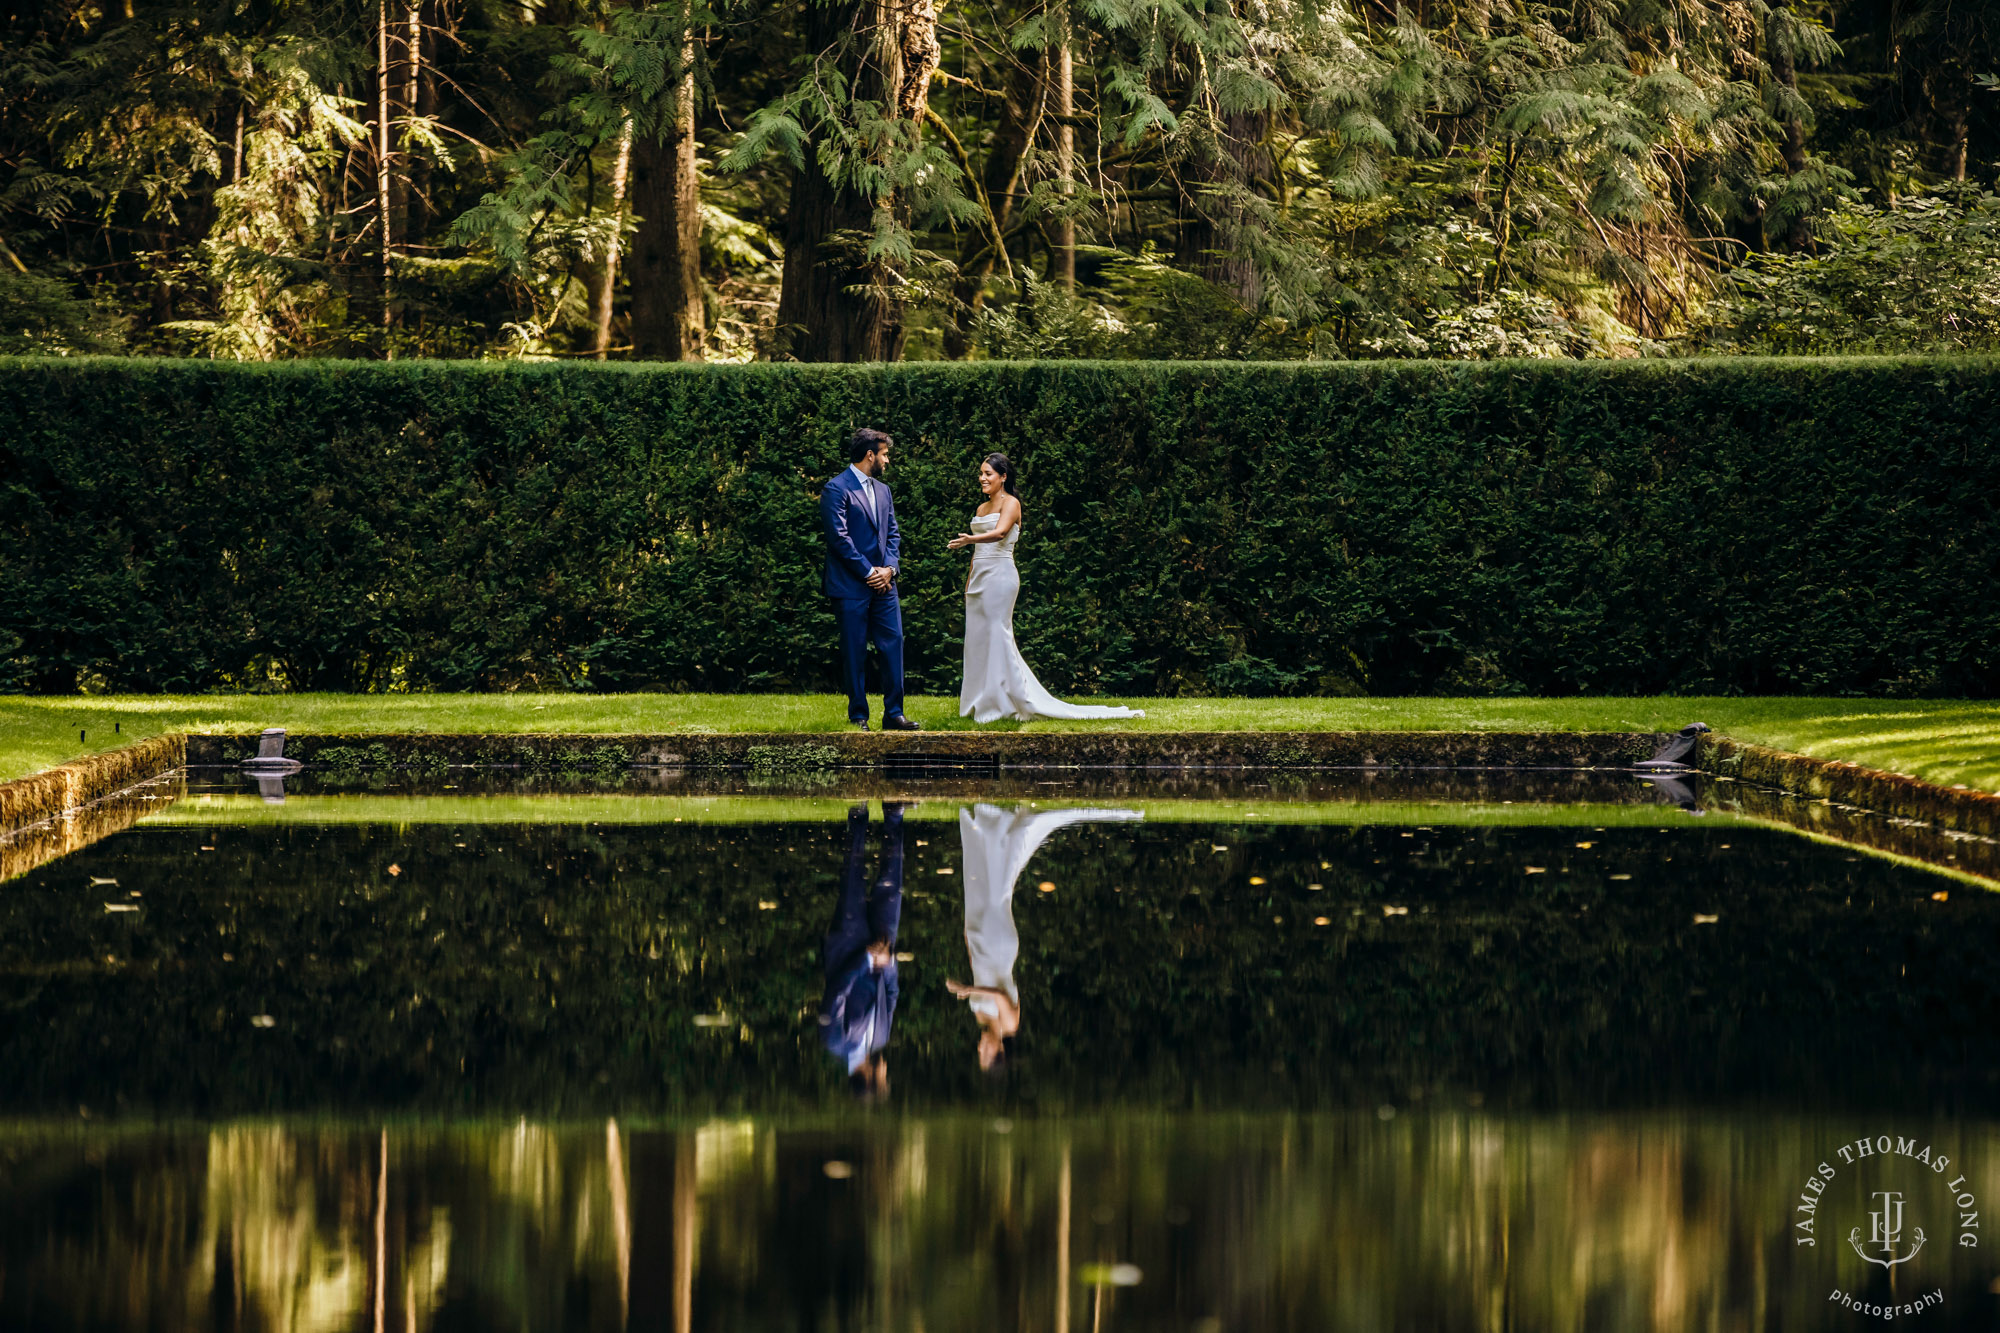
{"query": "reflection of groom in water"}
{"type": "Point", "coordinates": [860, 954]}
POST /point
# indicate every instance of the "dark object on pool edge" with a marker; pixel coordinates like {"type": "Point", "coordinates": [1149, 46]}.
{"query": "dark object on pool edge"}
{"type": "Point", "coordinates": [271, 754]}
{"type": "Point", "coordinates": [1677, 755]}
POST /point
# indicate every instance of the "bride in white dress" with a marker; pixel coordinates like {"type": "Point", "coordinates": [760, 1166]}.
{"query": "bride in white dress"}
{"type": "Point", "coordinates": [998, 682]}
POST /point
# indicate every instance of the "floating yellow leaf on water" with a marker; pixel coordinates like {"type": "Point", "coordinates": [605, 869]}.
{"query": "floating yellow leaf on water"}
{"type": "Point", "coordinates": [1314, 888]}
{"type": "Point", "coordinates": [1047, 886]}
{"type": "Point", "coordinates": [1586, 846]}
{"type": "Point", "coordinates": [263, 1021]}
{"type": "Point", "coordinates": [1703, 919]}
{"type": "Point", "coordinates": [1321, 921]}
{"type": "Point", "coordinates": [906, 958]}
{"type": "Point", "coordinates": [838, 1170]}
{"type": "Point", "coordinates": [1536, 870]}
{"type": "Point", "coordinates": [95, 882]}
{"type": "Point", "coordinates": [121, 907]}
{"type": "Point", "coordinates": [711, 1020]}
{"type": "Point", "coordinates": [1218, 846]}
{"type": "Point", "coordinates": [922, 843]}
{"type": "Point", "coordinates": [1256, 879]}
{"type": "Point", "coordinates": [395, 870]}
{"type": "Point", "coordinates": [764, 906]}
{"type": "Point", "coordinates": [944, 870]}
{"type": "Point", "coordinates": [1395, 911]}
{"type": "Point", "coordinates": [1618, 877]}
{"type": "Point", "coordinates": [1940, 896]}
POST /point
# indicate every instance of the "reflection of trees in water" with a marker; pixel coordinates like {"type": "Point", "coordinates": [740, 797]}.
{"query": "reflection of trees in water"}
{"type": "Point", "coordinates": [283, 1253]}
{"type": "Point", "coordinates": [1448, 1221]}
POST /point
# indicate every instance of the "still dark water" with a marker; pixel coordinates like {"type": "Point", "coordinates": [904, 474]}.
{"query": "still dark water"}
{"type": "Point", "coordinates": [1036, 1056]}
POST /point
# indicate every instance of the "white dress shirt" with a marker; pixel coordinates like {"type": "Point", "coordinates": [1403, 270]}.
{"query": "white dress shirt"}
{"type": "Point", "coordinates": [867, 490]}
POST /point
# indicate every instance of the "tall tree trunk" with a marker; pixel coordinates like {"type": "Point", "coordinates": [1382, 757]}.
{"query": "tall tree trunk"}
{"type": "Point", "coordinates": [1957, 121]}
{"type": "Point", "coordinates": [1784, 68]}
{"type": "Point", "coordinates": [1209, 242]}
{"type": "Point", "coordinates": [1065, 100]}
{"type": "Point", "coordinates": [607, 283]}
{"type": "Point", "coordinates": [835, 304]}
{"type": "Point", "coordinates": [667, 315]}
{"type": "Point", "coordinates": [415, 218]}
{"type": "Point", "coordinates": [998, 179]}
{"type": "Point", "coordinates": [382, 192]}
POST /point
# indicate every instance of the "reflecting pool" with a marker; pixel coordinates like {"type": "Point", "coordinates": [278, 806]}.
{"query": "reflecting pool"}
{"type": "Point", "coordinates": [1074, 1053]}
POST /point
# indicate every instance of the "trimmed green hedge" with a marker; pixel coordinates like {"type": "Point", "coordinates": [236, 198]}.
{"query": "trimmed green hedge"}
{"type": "Point", "coordinates": [1760, 526]}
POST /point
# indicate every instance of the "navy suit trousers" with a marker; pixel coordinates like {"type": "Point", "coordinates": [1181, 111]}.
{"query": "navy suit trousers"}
{"type": "Point", "coordinates": [879, 618]}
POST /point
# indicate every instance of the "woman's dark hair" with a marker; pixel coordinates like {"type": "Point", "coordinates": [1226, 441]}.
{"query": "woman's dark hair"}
{"type": "Point", "coordinates": [999, 463]}
{"type": "Point", "coordinates": [1001, 1068]}
{"type": "Point", "coordinates": [865, 442]}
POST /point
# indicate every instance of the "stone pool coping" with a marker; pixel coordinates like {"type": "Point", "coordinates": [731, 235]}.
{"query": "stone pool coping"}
{"type": "Point", "coordinates": [55, 793]}
{"type": "Point", "coordinates": [1840, 783]}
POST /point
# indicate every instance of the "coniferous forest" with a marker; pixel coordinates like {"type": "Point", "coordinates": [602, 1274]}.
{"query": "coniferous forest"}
{"type": "Point", "coordinates": [863, 180]}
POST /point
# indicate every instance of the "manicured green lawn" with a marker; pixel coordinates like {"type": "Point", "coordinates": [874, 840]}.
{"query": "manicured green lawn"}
{"type": "Point", "coordinates": [1943, 741]}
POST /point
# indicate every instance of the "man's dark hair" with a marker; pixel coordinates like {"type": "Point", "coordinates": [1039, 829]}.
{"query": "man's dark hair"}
{"type": "Point", "coordinates": [865, 442]}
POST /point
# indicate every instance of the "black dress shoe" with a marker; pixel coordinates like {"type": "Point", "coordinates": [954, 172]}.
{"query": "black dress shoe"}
{"type": "Point", "coordinates": [899, 723]}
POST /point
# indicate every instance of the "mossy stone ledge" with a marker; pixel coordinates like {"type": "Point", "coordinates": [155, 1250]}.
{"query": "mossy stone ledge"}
{"type": "Point", "coordinates": [962, 749]}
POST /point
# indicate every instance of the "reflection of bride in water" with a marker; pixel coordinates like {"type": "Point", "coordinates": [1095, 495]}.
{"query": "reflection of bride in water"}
{"type": "Point", "coordinates": [996, 845]}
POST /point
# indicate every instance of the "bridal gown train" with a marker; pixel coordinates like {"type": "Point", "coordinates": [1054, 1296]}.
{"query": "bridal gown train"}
{"type": "Point", "coordinates": [995, 846]}
{"type": "Point", "coordinates": [998, 682]}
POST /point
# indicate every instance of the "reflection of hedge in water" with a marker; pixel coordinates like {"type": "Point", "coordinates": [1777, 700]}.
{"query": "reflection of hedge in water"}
{"type": "Point", "coordinates": [560, 967]}
{"type": "Point", "coordinates": [1749, 526]}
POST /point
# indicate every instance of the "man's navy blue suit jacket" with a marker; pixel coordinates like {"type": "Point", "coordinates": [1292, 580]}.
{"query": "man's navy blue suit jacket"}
{"type": "Point", "coordinates": [856, 542]}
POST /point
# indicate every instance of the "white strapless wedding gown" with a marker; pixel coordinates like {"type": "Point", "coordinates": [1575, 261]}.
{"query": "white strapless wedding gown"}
{"type": "Point", "coordinates": [998, 682]}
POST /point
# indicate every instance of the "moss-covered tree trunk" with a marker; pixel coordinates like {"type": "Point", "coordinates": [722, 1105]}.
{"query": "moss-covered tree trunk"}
{"type": "Point", "coordinates": [1210, 223]}
{"type": "Point", "coordinates": [838, 304]}
{"type": "Point", "coordinates": [668, 315]}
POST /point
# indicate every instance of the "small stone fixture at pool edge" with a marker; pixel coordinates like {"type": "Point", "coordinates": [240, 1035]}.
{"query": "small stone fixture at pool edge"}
{"type": "Point", "coordinates": [1679, 752]}
{"type": "Point", "coordinates": [270, 757]}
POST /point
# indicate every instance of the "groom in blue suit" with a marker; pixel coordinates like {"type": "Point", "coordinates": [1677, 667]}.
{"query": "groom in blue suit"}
{"type": "Point", "coordinates": [863, 559]}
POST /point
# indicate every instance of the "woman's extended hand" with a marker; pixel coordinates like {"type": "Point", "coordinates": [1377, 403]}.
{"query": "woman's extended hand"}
{"type": "Point", "coordinates": [962, 539]}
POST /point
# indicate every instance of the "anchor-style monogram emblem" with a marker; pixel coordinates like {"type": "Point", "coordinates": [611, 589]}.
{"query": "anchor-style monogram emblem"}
{"type": "Point", "coordinates": [1886, 1232]}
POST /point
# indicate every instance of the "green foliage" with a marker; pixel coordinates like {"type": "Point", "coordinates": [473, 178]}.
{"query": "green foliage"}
{"type": "Point", "coordinates": [1505, 528]}
{"type": "Point", "coordinates": [1298, 181]}
{"type": "Point", "coordinates": [355, 758]}
{"type": "Point", "coordinates": [1924, 273]}
{"type": "Point", "coordinates": [40, 316]}
{"type": "Point", "coordinates": [791, 758]}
